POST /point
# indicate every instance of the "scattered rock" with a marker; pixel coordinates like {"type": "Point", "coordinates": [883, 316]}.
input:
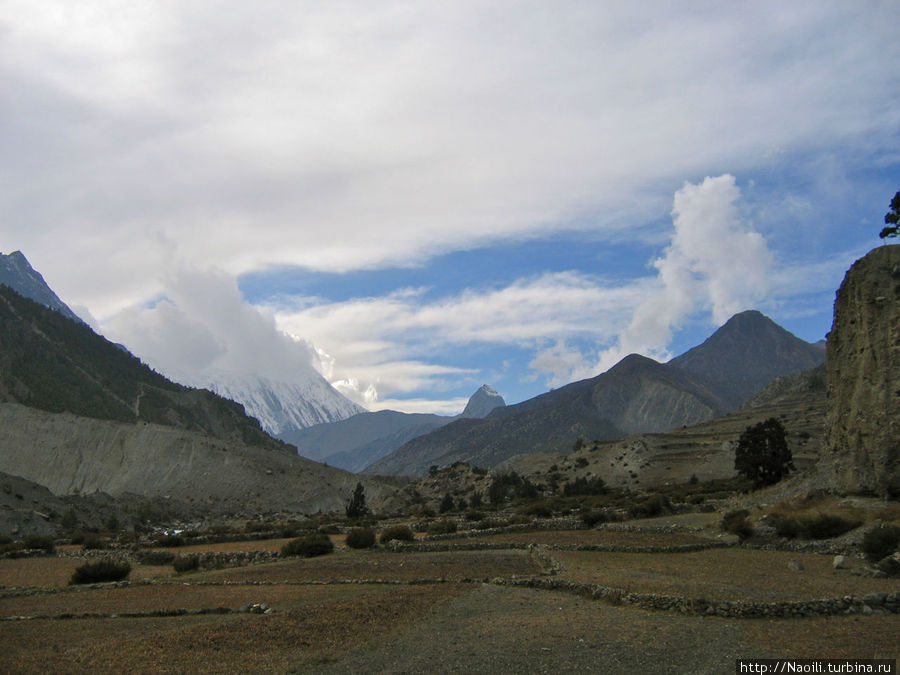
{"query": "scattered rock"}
{"type": "Point", "coordinates": [840, 562]}
{"type": "Point", "coordinates": [795, 565]}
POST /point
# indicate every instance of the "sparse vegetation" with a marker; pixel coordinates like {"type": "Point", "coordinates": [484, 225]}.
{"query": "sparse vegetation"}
{"type": "Point", "coordinates": [892, 219]}
{"type": "Point", "coordinates": [737, 522]}
{"type": "Point", "coordinates": [107, 569]}
{"type": "Point", "coordinates": [186, 563]}
{"type": "Point", "coordinates": [445, 526]}
{"type": "Point", "coordinates": [396, 532]}
{"type": "Point", "coordinates": [881, 542]}
{"type": "Point", "coordinates": [309, 546]}
{"type": "Point", "coordinates": [360, 537]}
{"type": "Point", "coordinates": [585, 486]}
{"type": "Point", "coordinates": [817, 526]}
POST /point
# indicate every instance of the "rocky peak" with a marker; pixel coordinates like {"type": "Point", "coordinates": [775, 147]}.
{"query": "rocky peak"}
{"type": "Point", "coordinates": [483, 402]}
{"type": "Point", "coordinates": [17, 273]}
{"type": "Point", "coordinates": [862, 415]}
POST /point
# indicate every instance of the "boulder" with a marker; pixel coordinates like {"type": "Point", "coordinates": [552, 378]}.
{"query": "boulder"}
{"type": "Point", "coordinates": [890, 565]}
{"type": "Point", "coordinates": [840, 562]}
{"type": "Point", "coordinates": [862, 419]}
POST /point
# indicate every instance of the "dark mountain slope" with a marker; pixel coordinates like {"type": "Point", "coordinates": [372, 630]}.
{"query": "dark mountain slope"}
{"type": "Point", "coordinates": [636, 395]}
{"type": "Point", "coordinates": [17, 273]}
{"type": "Point", "coordinates": [745, 354]}
{"type": "Point", "coordinates": [54, 364]}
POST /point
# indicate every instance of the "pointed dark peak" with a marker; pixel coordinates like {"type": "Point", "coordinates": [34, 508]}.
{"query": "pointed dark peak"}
{"type": "Point", "coordinates": [483, 402]}
{"type": "Point", "coordinates": [746, 353]}
{"type": "Point", "coordinates": [633, 362]}
{"type": "Point", "coordinates": [17, 273]}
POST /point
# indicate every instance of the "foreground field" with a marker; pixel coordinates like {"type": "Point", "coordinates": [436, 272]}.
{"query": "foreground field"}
{"type": "Point", "coordinates": [436, 611]}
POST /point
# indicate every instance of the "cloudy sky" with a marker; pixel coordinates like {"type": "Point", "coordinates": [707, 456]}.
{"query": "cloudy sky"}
{"type": "Point", "coordinates": [415, 198]}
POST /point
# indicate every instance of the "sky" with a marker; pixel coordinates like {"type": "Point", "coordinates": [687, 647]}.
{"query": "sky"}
{"type": "Point", "coordinates": [414, 199]}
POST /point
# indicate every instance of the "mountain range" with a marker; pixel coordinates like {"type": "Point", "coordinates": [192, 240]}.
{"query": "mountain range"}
{"type": "Point", "coordinates": [294, 402]}
{"type": "Point", "coordinates": [356, 442]}
{"type": "Point", "coordinates": [637, 395]}
{"type": "Point", "coordinates": [80, 415]}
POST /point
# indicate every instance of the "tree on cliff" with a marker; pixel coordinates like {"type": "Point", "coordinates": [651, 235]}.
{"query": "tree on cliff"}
{"type": "Point", "coordinates": [892, 219]}
{"type": "Point", "coordinates": [762, 453]}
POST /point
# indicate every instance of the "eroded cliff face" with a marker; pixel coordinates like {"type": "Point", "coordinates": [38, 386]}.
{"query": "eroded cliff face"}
{"type": "Point", "coordinates": [862, 421]}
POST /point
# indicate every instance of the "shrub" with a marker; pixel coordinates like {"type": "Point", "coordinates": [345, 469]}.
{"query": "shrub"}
{"type": "Point", "coordinates": [537, 510]}
{"type": "Point", "coordinates": [107, 569]}
{"type": "Point", "coordinates": [93, 543]}
{"type": "Point", "coordinates": [593, 518]}
{"type": "Point", "coordinates": [655, 505]}
{"type": "Point", "coordinates": [826, 526]}
{"type": "Point", "coordinates": [39, 543]}
{"type": "Point", "coordinates": [328, 529]}
{"type": "Point", "coordinates": [736, 522]}
{"type": "Point", "coordinates": [585, 486]}
{"type": "Point", "coordinates": [880, 542]}
{"type": "Point", "coordinates": [447, 504]}
{"type": "Point", "coordinates": [186, 563]}
{"type": "Point", "coordinates": [309, 546]}
{"type": "Point", "coordinates": [156, 557]}
{"type": "Point", "coordinates": [473, 516]}
{"type": "Point", "coordinates": [442, 527]}
{"type": "Point", "coordinates": [820, 526]}
{"type": "Point", "coordinates": [170, 540]}
{"type": "Point", "coordinates": [398, 532]}
{"type": "Point", "coordinates": [361, 537]}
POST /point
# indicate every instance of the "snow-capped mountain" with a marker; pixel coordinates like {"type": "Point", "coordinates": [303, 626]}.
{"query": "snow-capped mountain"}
{"type": "Point", "coordinates": [482, 402]}
{"type": "Point", "coordinates": [279, 405]}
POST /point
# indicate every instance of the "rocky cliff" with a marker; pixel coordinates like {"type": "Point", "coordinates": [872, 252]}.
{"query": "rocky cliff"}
{"type": "Point", "coordinates": [862, 425]}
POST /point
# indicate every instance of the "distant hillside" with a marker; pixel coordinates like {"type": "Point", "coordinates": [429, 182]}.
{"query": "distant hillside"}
{"type": "Point", "coordinates": [357, 442]}
{"type": "Point", "coordinates": [52, 363]}
{"type": "Point", "coordinates": [638, 395]}
{"type": "Point", "coordinates": [78, 414]}
{"type": "Point", "coordinates": [745, 354]}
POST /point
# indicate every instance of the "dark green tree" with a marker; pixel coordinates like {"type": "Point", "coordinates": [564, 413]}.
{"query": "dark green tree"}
{"type": "Point", "coordinates": [762, 453]}
{"type": "Point", "coordinates": [447, 504]}
{"type": "Point", "coordinates": [356, 507]}
{"type": "Point", "coordinates": [892, 219]}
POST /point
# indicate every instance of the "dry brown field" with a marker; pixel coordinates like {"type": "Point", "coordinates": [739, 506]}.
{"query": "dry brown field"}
{"type": "Point", "coordinates": [380, 611]}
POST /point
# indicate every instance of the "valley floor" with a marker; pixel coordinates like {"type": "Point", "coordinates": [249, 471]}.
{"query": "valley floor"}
{"type": "Point", "coordinates": [457, 610]}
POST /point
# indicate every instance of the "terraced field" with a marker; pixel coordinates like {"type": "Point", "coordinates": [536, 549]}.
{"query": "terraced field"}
{"type": "Point", "coordinates": [457, 610]}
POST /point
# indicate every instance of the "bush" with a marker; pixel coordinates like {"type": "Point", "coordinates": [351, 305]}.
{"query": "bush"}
{"type": "Point", "coordinates": [736, 522]}
{"type": "Point", "coordinates": [361, 537]}
{"type": "Point", "coordinates": [93, 543]}
{"type": "Point", "coordinates": [447, 504]}
{"type": "Point", "coordinates": [170, 540]}
{"type": "Point", "coordinates": [473, 516]}
{"type": "Point", "coordinates": [826, 526]}
{"type": "Point", "coordinates": [488, 524]}
{"type": "Point", "coordinates": [39, 543]}
{"type": "Point", "coordinates": [880, 542]}
{"type": "Point", "coordinates": [655, 505]}
{"type": "Point", "coordinates": [820, 526]}
{"type": "Point", "coordinates": [186, 563]}
{"type": "Point", "coordinates": [156, 557]}
{"type": "Point", "coordinates": [442, 527]}
{"type": "Point", "coordinates": [593, 518]}
{"type": "Point", "coordinates": [108, 569]}
{"type": "Point", "coordinates": [585, 486]}
{"type": "Point", "coordinates": [396, 532]}
{"type": "Point", "coordinates": [309, 546]}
